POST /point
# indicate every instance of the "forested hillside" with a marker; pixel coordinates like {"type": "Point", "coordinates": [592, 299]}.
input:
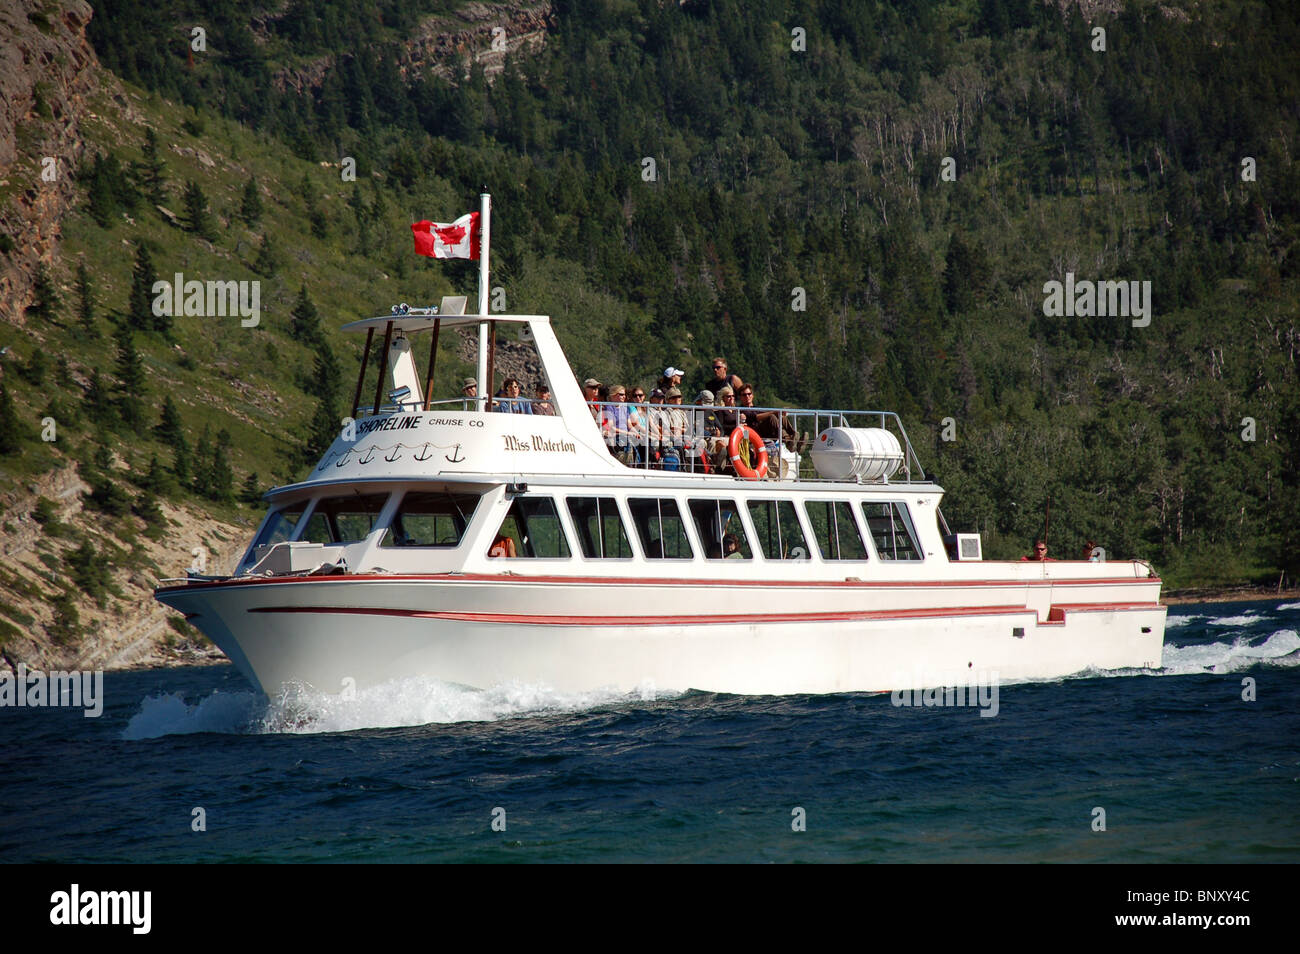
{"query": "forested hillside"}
{"type": "Point", "coordinates": [858, 203]}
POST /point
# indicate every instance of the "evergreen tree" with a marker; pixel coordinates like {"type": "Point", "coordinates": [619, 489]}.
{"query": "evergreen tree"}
{"type": "Point", "coordinates": [130, 381]}
{"type": "Point", "coordinates": [147, 509]}
{"type": "Point", "coordinates": [106, 495]}
{"type": "Point", "coordinates": [305, 319]}
{"type": "Point", "coordinates": [266, 262]}
{"type": "Point", "coordinates": [182, 462]}
{"type": "Point", "coordinates": [64, 629]}
{"type": "Point", "coordinates": [202, 482]}
{"type": "Point", "coordinates": [156, 479]}
{"type": "Point", "coordinates": [170, 428]}
{"type": "Point", "coordinates": [325, 382]}
{"type": "Point", "coordinates": [139, 304]}
{"type": "Point", "coordinates": [97, 404]}
{"type": "Point", "coordinates": [250, 207]}
{"type": "Point", "coordinates": [252, 490]}
{"type": "Point", "coordinates": [33, 370]}
{"type": "Point", "coordinates": [101, 196]}
{"type": "Point", "coordinates": [45, 297]}
{"type": "Point", "coordinates": [11, 431]}
{"type": "Point", "coordinates": [86, 301]}
{"type": "Point", "coordinates": [197, 217]}
{"type": "Point", "coordinates": [152, 169]}
{"type": "Point", "coordinates": [222, 477]}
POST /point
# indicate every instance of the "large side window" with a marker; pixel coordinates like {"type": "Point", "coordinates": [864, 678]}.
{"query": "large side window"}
{"type": "Point", "coordinates": [835, 530]}
{"type": "Point", "coordinates": [343, 519]}
{"type": "Point", "coordinates": [718, 524]}
{"type": "Point", "coordinates": [890, 526]}
{"type": "Point", "coordinates": [280, 527]}
{"type": "Point", "coordinates": [435, 519]}
{"type": "Point", "coordinates": [779, 534]}
{"type": "Point", "coordinates": [661, 529]}
{"type": "Point", "coordinates": [531, 529]}
{"type": "Point", "coordinates": [600, 529]}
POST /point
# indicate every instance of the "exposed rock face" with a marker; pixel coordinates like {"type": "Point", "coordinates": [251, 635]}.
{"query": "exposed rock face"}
{"type": "Point", "coordinates": [486, 34]}
{"type": "Point", "coordinates": [128, 631]}
{"type": "Point", "coordinates": [450, 44]}
{"type": "Point", "coordinates": [47, 71]}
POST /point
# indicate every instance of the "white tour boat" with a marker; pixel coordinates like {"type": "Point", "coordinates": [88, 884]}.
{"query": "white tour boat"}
{"type": "Point", "coordinates": [447, 539]}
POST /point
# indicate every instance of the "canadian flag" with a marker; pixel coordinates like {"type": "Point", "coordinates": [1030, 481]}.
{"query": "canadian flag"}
{"type": "Point", "coordinates": [459, 239]}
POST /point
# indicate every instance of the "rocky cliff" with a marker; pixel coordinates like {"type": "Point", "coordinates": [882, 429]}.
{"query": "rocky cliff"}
{"type": "Point", "coordinates": [450, 44]}
{"type": "Point", "coordinates": [47, 71]}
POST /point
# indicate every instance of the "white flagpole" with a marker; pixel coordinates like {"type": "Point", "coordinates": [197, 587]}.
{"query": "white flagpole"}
{"type": "Point", "coordinates": [485, 234]}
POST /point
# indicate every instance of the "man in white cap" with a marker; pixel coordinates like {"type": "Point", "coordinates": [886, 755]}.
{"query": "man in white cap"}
{"type": "Point", "coordinates": [672, 378]}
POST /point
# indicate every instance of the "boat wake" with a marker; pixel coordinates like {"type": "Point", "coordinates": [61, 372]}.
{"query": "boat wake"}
{"type": "Point", "coordinates": [412, 701]}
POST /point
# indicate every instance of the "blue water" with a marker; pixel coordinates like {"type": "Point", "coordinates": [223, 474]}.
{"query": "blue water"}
{"type": "Point", "coordinates": [1184, 769]}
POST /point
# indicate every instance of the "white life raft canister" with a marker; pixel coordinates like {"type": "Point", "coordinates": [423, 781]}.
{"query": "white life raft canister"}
{"type": "Point", "coordinates": [856, 453]}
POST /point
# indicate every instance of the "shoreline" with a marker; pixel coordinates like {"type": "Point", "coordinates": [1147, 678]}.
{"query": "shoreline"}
{"type": "Point", "coordinates": [1229, 594]}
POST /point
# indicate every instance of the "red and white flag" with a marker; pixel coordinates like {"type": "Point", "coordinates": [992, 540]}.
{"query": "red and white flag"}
{"type": "Point", "coordinates": [459, 239]}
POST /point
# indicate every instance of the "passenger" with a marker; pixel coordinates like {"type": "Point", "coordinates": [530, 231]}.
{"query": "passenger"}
{"type": "Point", "coordinates": [674, 430]}
{"type": "Point", "coordinates": [655, 428]}
{"type": "Point", "coordinates": [591, 394]}
{"type": "Point", "coordinates": [710, 445]}
{"type": "Point", "coordinates": [722, 378]}
{"type": "Point", "coordinates": [731, 547]}
{"type": "Point", "coordinates": [542, 404]}
{"type": "Point", "coordinates": [1087, 550]}
{"type": "Point", "coordinates": [469, 391]}
{"type": "Point", "coordinates": [772, 426]}
{"type": "Point", "coordinates": [1039, 554]}
{"type": "Point", "coordinates": [729, 416]}
{"type": "Point", "coordinates": [510, 402]}
{"type": "Point", "coordinates": [672, 378]}
{"type": "Point", "coordinates": [503, 546]}
{"type": "Point", "coordinates": [615, 424]}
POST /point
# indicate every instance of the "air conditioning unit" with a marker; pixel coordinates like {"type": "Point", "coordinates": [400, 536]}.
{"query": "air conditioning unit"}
{"type": "Point", "coordinates": [968, 547]}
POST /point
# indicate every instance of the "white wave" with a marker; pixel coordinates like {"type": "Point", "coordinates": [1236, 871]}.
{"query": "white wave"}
{"type": "Point", "coordinates": [1243, 620]}
{"type": "Point", "coordinates": [1173, 622]}
{"type": "Point", "coordinates": [170, 714]}
{"type": "Point", "coordinates": [1231, 657]}
{"type": "Point", "coordinates": [1287, 606]}
{"type": "Point", "coordinates": [415, 700]}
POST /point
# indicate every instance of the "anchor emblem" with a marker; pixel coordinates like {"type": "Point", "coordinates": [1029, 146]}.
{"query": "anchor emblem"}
{"type": "Point", "coordinates": [397, 452]}
{"type": "Point", "coordinates": [426, 455]}
{"type": "Point", "coordinates": [370, 452]}
{"type": "Point", "coordinates": [457, 459]}
{"type": "Point", "coordinates": [343, 459]}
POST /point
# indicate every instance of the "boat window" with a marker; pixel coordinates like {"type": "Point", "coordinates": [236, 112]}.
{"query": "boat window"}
{"type": "Point", "coordinates": [531, 529]}
{"type": "Point", "coordinates": [835, 530]}
{"type": "Point", "coordinates": [343, 519]}
{"type": "Point", "coordinates": [661, 528]}
{"type": "Point", "coordinates": [600, 529]}
{"type": "Point", "coordinates": [436, 519]}
{"type": "Point", "coordinates": [718, 524]}
{"type": "Point", "coordinates": [890, 526]}
{"type": "Point", "coordinates": [280, 527]}
{"type": "Point", "coordinates": [779, 535]}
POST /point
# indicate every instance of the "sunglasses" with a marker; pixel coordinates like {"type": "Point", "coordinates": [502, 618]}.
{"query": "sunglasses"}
{"type": "Point", "coordinates": [719, 367]}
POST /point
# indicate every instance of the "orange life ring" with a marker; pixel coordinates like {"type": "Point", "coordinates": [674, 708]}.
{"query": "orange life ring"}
{"type": "Point", "coordinates": [759, 471]}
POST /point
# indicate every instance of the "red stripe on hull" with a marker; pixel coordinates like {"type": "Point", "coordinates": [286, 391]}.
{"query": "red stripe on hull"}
{"type": "Point", "coordinates": [538, 620]}
{"type": "Point", "coordinates": [643, 581]}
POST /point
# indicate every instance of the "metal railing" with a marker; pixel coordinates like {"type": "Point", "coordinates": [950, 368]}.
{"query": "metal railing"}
{"type": "Point", "coordinates": [695, 438]}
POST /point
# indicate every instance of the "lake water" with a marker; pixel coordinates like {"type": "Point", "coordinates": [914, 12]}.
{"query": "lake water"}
{"type": "Point", "coordinates": [1182, 766]}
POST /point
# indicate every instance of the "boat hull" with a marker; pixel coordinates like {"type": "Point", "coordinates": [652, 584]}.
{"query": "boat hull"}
{"type": "Point", "coordinates": [331, 633]}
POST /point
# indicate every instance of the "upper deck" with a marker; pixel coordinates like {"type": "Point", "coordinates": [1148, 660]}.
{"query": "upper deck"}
{"type": "Point", "coordinates": [401, 433]}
